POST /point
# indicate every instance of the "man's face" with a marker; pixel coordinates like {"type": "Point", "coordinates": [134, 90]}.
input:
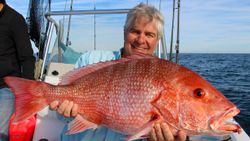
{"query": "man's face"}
{"type": "Point", "coordinates": [142, 37]}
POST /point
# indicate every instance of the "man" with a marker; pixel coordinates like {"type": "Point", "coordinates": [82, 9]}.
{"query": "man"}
{"type": "Point", "coordinates": [16, 59]}
{"type": "Point", "coordinates": [142, 31]}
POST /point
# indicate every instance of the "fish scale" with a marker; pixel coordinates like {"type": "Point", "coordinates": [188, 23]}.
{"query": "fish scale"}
{"type": "Point", "coordinates": [128, 94]}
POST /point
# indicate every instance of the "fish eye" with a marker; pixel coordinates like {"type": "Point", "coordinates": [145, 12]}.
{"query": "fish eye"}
{"type": "Point", "coordinates": [199, 93]}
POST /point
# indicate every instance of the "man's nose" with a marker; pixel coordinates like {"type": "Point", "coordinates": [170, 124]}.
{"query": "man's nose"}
{"type": "Point", "coordinates": [141, 39]}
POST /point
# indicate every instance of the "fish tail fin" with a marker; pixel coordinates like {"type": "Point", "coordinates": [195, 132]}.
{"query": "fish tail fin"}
{"type": "Point", "coordinates": [29, 96]}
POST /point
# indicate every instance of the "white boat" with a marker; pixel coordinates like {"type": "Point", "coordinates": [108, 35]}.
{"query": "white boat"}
{"type": "Point", "coordinates": [59, 58]}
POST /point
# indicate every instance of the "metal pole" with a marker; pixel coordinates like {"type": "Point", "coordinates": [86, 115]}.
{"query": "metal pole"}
{"type": "Point", "coordinates": [94, 28]}
{"type": "Point", "coordinates": [178, 31]}
{"type": "Point", "coordinates": [163, 42]}
{"type": "Point", "coordinates": [47, 44]}
{"type": "Point", "coordinates": [67, 37]}
{"type": "Point", "coordinates": [87, 12]}
{"type": "Point", "coordinates": [172, 33]}
{"type": "Point", "coordinates": [164, 47]}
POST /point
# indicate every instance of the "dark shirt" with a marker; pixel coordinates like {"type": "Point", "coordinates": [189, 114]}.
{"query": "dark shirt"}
{"type": "Point", "coordinates": [16, 54]}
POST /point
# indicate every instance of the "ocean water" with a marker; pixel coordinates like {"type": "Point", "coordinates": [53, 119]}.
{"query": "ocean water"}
{"type": "Point", "coordinates": [230, 74]}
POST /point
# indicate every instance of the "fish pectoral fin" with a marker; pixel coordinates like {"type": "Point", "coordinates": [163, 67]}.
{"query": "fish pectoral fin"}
{"type": "Point", "coordinates": [144, 131]}
{"type": "Point", "coordinates": [141, 134]}
{"type": "Point", "coordinates": [80, 124]}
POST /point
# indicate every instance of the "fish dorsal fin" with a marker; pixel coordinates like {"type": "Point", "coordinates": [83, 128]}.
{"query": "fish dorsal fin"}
{"type": "Point", "coordinates": [72, 76]}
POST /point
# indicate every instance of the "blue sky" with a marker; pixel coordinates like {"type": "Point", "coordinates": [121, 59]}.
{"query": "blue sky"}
{"type": "Point", "coordinates": [213, 26]}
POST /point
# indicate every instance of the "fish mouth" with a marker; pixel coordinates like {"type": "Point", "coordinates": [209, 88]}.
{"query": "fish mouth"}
{"type": "Point", "coordinates": [223, 124]}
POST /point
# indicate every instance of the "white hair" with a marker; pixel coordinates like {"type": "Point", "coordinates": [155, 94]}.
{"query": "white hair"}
{"type": "Point", "coordinates": [147, 11]}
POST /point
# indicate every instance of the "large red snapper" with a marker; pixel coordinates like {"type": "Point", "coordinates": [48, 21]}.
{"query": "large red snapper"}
{"type": "Point", "coordinates": [131, 94]}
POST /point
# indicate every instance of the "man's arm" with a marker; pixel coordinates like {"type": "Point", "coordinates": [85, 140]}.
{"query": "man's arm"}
{"type": "Point", "coordinates": [23, 47]}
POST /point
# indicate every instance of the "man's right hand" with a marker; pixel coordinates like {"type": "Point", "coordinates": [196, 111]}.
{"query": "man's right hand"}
{"type": "Point", "coordinates": [67, 108]}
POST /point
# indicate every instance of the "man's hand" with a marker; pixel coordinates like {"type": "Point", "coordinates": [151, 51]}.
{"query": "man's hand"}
{"type": "Point", "coordinates": [161, 132]}
{"type": "Point", "coordinates": [67, 108]}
